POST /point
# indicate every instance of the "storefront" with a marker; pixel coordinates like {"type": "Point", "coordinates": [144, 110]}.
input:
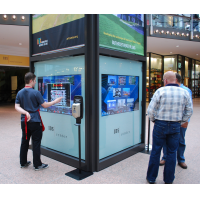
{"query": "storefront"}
{"type": "Point", "coordinates": [157, 65]}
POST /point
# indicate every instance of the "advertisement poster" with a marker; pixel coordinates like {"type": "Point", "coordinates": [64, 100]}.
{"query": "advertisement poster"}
{"type": "Point", "coordinates": [120, 94]}
{"type": "Point", "coordinates": [57, 32]}
{"type": "Point", "coordinates": [122, 32]}
{"type": "Point", "coordinates": [66, 86]}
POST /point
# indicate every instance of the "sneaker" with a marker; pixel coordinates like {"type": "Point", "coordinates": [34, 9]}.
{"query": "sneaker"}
{"type": "Point", "coordinates": [43, 166]}
{"type": "Point", "coordinates": [26, 165]}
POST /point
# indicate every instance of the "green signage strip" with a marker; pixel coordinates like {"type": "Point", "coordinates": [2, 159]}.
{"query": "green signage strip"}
{"type": "Point", "coordinates": [122, 32]}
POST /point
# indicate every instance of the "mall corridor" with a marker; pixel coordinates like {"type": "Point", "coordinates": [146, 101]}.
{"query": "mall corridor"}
{"type": "Point", "coordinates": [129, 171]}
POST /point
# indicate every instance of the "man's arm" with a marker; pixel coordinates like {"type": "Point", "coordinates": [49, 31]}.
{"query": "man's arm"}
{"type": "Point", "coordinates": [188, 109]}
{"type": "Point", "coordinates": [152, 108]}
{"type": "Point", "coordinates": [22, 111]}
{"type": "Point", "coordinates": [48, 104]}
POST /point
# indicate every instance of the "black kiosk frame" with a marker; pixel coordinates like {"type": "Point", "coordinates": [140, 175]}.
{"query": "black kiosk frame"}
{"type": "Point", "coordinates": [92, 51]}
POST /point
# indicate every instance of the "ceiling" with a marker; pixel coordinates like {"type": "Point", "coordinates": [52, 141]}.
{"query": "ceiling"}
{"type": "Point", "coordinates": [11, 36]}
{"type": "Point", "coordinates": [14, 40]}
{"type": "Point", "coordinates": [164, 46]}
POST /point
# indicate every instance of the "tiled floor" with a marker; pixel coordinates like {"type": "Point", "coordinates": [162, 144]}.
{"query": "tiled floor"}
{"type": "Point", "coordinates": [129, 171]}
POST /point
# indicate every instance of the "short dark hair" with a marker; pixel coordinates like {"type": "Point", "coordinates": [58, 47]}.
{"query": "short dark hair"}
{"type": "Point", "coordinates": [178, 77]}
{"type": "Point", "coordinates": [28, 77]}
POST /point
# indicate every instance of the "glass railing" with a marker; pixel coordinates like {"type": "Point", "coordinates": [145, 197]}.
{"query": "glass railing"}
{"type": "Point", "coordinates": [177, 21]}
{"type": "Point", "coordinates": [171, 21]}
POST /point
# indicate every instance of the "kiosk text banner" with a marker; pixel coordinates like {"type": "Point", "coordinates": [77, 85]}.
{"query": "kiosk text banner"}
{"type": "Point", "coordinates": [122, 32]}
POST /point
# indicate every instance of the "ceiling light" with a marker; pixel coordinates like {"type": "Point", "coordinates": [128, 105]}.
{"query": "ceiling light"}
{"type": "Point", "coordinates": [157, 31]}
{"type": "Point", "coordinates": [23, 18]}
{"type": "Point", "coordinates": [197, 54]}
{"type": "Point", "coordinates": [162, 31]}
{"type": "Point", "coordinates": [5, 16]}
{"type": "Point", "coordinates": [196, 36]}
{"type": "Point", "coordinates": [14, 17]}
{"type": "Point", "coordinates": [187, 34]}
{"type": "Point", "coordinates": [183, 34]}
{"type": "Point", "coordinates": [172, 33]}
{"type": "Point", "coordinates": [20, 44]}
{"type": "Point", "coordinates": [167, 32]}
{"type": "Point", "coordinates": [177, 46]}
{"type": "Point", "coordinates": [177, 33]}
{"type": "Point", "coordinates": [170, 52]}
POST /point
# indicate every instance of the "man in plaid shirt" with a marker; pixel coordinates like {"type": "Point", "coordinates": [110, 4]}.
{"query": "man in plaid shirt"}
{"type": "Point", "coordinates": [169, 108]}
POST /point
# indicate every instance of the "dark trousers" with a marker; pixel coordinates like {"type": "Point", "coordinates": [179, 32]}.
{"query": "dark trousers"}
{"type": "Point", "coordinates": [169, 133]}
{"type": "Point", "coordinates": [34, 129]}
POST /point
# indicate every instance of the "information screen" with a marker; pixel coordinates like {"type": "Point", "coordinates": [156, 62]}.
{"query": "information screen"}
{"type": "Point", "coordinates": [66, 86]}
{"type": "Point", "coordinates": [119, 94]}
{"type": "Point", "coordinates": [56, 90]}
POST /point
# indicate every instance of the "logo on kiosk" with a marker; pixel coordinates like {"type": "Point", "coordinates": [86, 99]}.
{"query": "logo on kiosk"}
{"type": "Point", "coordinates": [42, 43]}
{"type": "Point", "coordinates": [51, 128]}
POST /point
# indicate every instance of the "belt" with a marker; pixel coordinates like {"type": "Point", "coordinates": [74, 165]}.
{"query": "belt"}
{"type": "Point", "coordinates": [25, 121]}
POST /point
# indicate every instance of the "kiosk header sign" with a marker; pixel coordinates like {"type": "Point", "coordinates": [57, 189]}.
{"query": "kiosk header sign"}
{"type": "Point", "coordinates": [122, 32]}
{"type": "Point", "coordinates": [53, 32]}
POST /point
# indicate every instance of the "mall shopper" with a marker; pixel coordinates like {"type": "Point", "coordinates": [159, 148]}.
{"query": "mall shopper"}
{"type": "Point", "coordinates": [182, 145]}
{"type": "Point", "coordinates": [27, 103]}
{"type": "Point", "coordinates": [169, 108]}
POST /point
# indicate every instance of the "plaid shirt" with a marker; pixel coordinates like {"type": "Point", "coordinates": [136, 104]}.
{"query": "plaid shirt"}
{"type": "Point", "coordinates": [170, 103]}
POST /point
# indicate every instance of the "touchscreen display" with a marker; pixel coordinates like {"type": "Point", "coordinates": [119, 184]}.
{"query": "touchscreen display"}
{"type": "Point", "coordinates": [120, 94]}
{"type": "Point", "coordinates": [66, 86]}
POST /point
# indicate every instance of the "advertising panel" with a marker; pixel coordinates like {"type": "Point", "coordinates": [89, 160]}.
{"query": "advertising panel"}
{"type": "Point", "coordinates": [119, 94]}
{"type": "Point", "coordinates": [52, 32]}
{"type": "Point", "coordinates": [122, 32]}
{"type": "Point", "coordinates": [66, 86]}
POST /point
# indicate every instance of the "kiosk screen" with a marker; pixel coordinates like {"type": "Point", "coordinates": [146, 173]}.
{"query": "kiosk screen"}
{"type": "Point", "coordinates": [119, 94]}
{"type": "Point", "coordinates": [66, 86]}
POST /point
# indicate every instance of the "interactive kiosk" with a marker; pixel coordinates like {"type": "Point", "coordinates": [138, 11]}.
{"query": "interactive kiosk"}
{"type": "Point", "coordinates": [97, 63]}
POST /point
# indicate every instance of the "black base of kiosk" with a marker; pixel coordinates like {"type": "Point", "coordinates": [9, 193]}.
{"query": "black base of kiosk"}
{"type": "Point", "coordinates": [75, 174]}
{"type": "Point", "coordinates": [79, 174]}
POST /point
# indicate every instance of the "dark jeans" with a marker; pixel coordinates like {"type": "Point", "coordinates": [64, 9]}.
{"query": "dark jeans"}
{"type": "Point", "coordinates": [181, 148]}
{"type": "Point", "coordinates": [169, 132]}
{"type": "Point", "coordinates": [34, 129]}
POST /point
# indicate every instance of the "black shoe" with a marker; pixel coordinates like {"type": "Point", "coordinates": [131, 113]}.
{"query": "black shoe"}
{"type": "Point", "coordinates": [26, 165]}
{"type": "Point", "coordinates": [169, 183]}
{"type": "Point", "coordinates": [43, 166]}
{"type": "Point", "coordinates": [150, 182]}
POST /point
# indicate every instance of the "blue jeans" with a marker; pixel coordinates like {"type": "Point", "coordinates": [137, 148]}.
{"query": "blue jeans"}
{"type": "Point", "coordinates": [169, 133]}
{"type": "Point", "coordinates": [181, 148]}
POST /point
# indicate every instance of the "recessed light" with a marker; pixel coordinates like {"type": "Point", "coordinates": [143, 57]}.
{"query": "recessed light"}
{"type": "Point", "coordinates": [5, 16]}
{"type": "Point", "coordinates": [20, 44]}
{"type": "Point", "coordinates": [172, 33]}
{"type": "Point", "coordinates": [162, 31]}
{"type": "Point", "coordinates": [196, 36]}
{"type": "Point", "coordinates": [187, 34]}
{"type": "Point", "coordinates": [23, 18]}
{"type": "Point", "coordinates": [197, 54]}
{"type": "Point", "coordinates": [170, 52]}
{"type": "Point", "coordinates": [177, 46]}
{"type": "Point", "coordinates": [167, 32]}
{"type": "Point", "coordinates": [177, 33]}
{"type": "Point", "coordinates": [183, 34]}
{"type": "Point", "coordinates": [157, 31]}
{"type": "Point", "coordinates": [14, 17]}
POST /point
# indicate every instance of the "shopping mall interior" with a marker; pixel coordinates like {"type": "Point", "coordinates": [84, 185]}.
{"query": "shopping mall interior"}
{"type": "Point", "coordinates": [172, 44]}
